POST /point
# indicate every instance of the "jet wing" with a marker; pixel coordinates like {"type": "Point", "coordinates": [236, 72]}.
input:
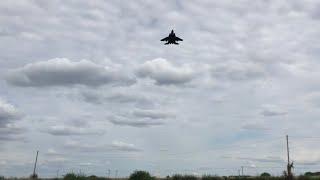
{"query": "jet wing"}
{"type": "Point", "coordinates": [178, 39]}
{"type": "Point", "coordinates": [165, 39]}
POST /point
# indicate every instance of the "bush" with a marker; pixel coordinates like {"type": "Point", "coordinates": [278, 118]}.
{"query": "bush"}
{"type": "Point", "coordinates": [73, 176]}
{"type": "Point", "coordinates": [93, 177]}
{"type": "Point", "coordinates": [209, 177]}
{"type": "Point", "coordinates": [34, 176]}
{"type": "Point", "coordinates": [1, 177]}
{"type": "Point", "coordinates": [141, 175]}
{"type": "Point", "coordinates": [312, 174]}
{"type": "Point", "coordinates": [184, 177]}
{"type": "Point", "coordinates": [190, 177]}
{"type": "Point", "coordinates": [265, 174]}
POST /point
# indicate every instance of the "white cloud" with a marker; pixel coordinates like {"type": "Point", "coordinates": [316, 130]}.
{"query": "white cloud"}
{"type": "Point", "coordinates": [165, 73]}
{"type": "Point", "coordinates": [142, 118]}
{"type": "Point", "coordinates": [117, 96]}
{"type": "Point", "coordinates": [312, 99]}
{"type": "Point", "coordinates": [152, 114]}
{"type": "Point", "coordinates": [269, 110]}
{"type": "Point", "coordinates": [8, 113]}
{"type": "Point", "coordinates": [62, 130]}
{"type": "Point", "coordinates": [63, 72]}
{"type": "Point", "coordinates": [123, 121]}
{"type": "Point", "coordinates": [255, 126]}
{"type": "Point", "coordinates": [229, 50]}
{"type": "Point", "coordinates": [115, 146]}
{"type": "Point", "coordinates": [53, 152]}
{"type": "Point", "coordinates": [11, 132]}
{"type": "Point", "coordinates": [122, 146]}
{"type": "Point", "coordinates": [237, 71]}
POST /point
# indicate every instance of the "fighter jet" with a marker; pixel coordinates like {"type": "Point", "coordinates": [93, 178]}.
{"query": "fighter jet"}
{"type": "Point", "coordinates": [171, 39]}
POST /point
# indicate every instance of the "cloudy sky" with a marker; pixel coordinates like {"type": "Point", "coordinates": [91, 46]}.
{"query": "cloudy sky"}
{"type": "Point", "coordinates": [89, 85]}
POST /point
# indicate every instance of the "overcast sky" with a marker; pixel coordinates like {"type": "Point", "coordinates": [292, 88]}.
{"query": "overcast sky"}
{"type": "Point", "coordinates": [91, 86]}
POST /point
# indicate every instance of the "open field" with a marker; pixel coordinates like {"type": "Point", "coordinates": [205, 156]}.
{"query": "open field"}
{"type": "Point", "coordinates": [174, 177]}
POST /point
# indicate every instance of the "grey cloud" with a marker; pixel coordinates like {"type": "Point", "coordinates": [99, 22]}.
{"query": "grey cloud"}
{"type": "Point", "coordinates": [92, 97]}
{"type": "Point", "coordinates": [122, 146]}
{"type": "Point", "coordinates": [8, 117]}
{"type": "Point", "coordinates": [5, 32]}
{"type": "Point", "coordinates": [152, 114]}
{"type": "Point", "coordinates": [8, 113]}
{"type": "Point", "coordinates": [142, 118]}
{"type": "Point", "coordinates": [267, 159]}
{"type": "Point", "coordinates": [273, 111]}
{"type": "Point", "coordinates": [11, 132]}
{"type": "Point", "coordinates": [237, 71]}
{"type": "Point", "coordinates": [165, 73]}
{"type": "Point", "coordinates": [53, 152]}
{"type": "Point", "coordinates": [121, 121]}
{"type": "Point", "coordinates": [97, 97]}
{"type": "Point", "coordinates": [308, 162]}
{"type": "Point", "coordinates": [63, 72]}
{"type": "Point", "coordinates": [81, 125]}
{"type": "Point", "coordinates": [127, 97]}
{"type": "Point", "coordinates": [115, 146]}
{"type": "Point", "coordinates": [62, 130]}
{"type": "Point", "coordinates": [54, 161]}
{"type": "Point", "coordinates": [267, 33]}
{"type": "Point", "coordinates": [270, 159]}
{"type": "Point", "coordinates": [255, 126]}
{"type": "Point", "coordinates": [312, 99]}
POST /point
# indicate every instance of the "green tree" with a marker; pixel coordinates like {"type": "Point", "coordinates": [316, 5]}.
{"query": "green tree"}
{"type": "Point", "coordinates": [184, 177]}
{"type": "Point", "coordinates": [70, 176]}
{"type": "Point", "coordinates": [209, 177]}
{"type": "Point", "coordinates": [73, 176]}
{"type": "Point", "coordinates": [141, 175]}
{"type": "Point", "coordinates": [265, 174]}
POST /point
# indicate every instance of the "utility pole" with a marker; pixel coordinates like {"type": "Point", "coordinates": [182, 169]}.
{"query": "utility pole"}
{"type": "Point", "coordinates": [290, 164]}
{"type": "Point", "coordinates": [108, 173]}
{"type": "Point", "coordinates": [116, 175]}
{"type": "Point", "coordinates": [242, 170]}
{"type": "Point", "coordinates": [58, 174]}
{"type": "Point", "coordinates": [34, 175]}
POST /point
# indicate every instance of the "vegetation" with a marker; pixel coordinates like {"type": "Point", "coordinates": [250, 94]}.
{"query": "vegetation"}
{"type": "Point", "coordinates": [144, 175]}
{"type": "Point", "coordinates": [34, 176]}
{"type": "Point", "coordinates": [209, 177]}
{"type": "Point", "coordinates": [73, 176]}
{"type": "Point", "coordinates": [312, 174]}
{"type": "Point", "coordinates": [265, 174]}
{"type": "Point", "coordinates": [141, 175]}
{"type": "Point", "coordinates": [184, 177]}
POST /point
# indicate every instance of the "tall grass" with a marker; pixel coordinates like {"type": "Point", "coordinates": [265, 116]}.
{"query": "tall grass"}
{"type": "Point", "coordinates": [184, 177]}
{"type": "Point", "coordinates": [81, 176]}
{"type": "Point", "coordinates": [209, 177]}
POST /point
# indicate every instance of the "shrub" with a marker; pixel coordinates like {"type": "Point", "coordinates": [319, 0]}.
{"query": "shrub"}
{"type": "Point", "coordinates": [70, 176]}
{"type": "Point", "coordinates": [190, 177]}
{"type": "Point", "coordinates": [209, 177]}
{"type": "Point", "coordinates": [141, 175]}
{"type": "Point", "coordinates": [1, 177]}
{"type": "Point", "coordinates": [34, 176]}
{"type": "Point", "coordinates": [184, 177]}
{"type": "Point", "coordinates": [265, 174]}
{"type": "Point", "coordinates": [93, 177]}
{"type": "Point", "coordinates": [73, 176]}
